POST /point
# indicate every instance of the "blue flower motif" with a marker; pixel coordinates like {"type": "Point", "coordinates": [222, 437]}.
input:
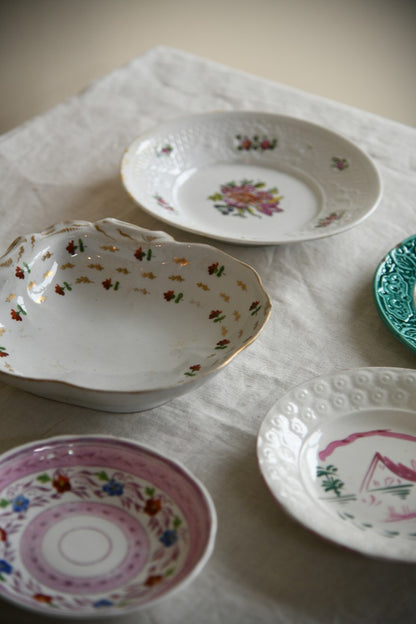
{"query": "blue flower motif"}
{"type": "Point", "coordinates": [103, 603]}
{"type": "Point", "coordinates": [169, 537]}
{"type": "Point", "coordinates": [5, 567]}
{"type": "Point", "coordinates": [20, 503]}
{"type": "Point", "coordinates": [113, 488]}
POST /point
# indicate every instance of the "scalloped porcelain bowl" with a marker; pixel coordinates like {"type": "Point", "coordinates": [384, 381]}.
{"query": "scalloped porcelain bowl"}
{"type": "Point", "coordinates": [110, 316]}
{"type": "Point", "coordinates": [95, 526]}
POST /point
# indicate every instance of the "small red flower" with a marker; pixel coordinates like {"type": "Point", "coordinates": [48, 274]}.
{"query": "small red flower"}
{"type": "Point", "coordinates": [265, 144]}
{"type": "Point", "coordinates": [43, 598]}
{"type": "Point", "coordinates": [15, 315]}
{"type": "Point", "coordinates": [61, 483]}
{"type": "Point", "coordinates": [3, 535]}
{"type": "Point", "coordinates": [107, 283]}
{"type": "Point", "coordinates": [139, 253]}
{"type": "Point", "coordinates": [214, 314]}
{"type": "Point", "coordinates": [195, 367]}
{"type": "Point", "coordinates": [153, 580]}
{"type": "Point", "coordinates": [168, 295]}
{"type": "Point", "coordinates": [222, 343]}
{"type": "Point", "coordinates": [152, 507]}
{"type": "Point", "coordinates": [59, 290]}
{"type": "Point", "coordinates": [3, 353]}
{"type": "Point", "coordinates": [71, 247]}
{"type": "Point", "coordinates": [212, 268]}
{"type": "Point", "coordinates": [254, 305]}
{"type": "Point", "coordinates": [19, 273]}
{"type": "Point", "coordinates": [246, 144]}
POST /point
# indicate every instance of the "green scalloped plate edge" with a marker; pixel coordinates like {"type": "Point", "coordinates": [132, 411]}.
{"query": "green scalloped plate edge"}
{"type": "Point", "coordinates": [407, 297]}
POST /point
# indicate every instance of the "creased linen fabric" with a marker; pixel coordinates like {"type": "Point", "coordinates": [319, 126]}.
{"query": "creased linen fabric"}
{"type": "Point", "coordinates": [266, 568]}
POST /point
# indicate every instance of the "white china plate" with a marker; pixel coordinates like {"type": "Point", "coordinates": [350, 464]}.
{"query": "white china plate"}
{"type": "Point", "coordinates": [251, 178]}
{"type": "Point", "coordinates": [93, 526]}
{"type": "Point", "coordinates": [339, 454]}
{"type": "Point", "coordinates": [111, 316]}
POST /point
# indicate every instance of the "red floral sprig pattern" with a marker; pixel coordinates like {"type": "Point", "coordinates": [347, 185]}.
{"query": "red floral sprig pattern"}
{"type": "Point", "coordinates": [17, 314]}
{"type": "Point", "coordinates": [222, 344]}
{"type": "Point", "coordinates": [20, 273]}
{"type": "Point", "coordinates": [73, 248]}
{"type": "Point", "coordinates": [216, 316]}
{"type": "Point", "coordinates": [142, 253]}
{"type": "Point", "coordinates": [163, 203]}
{"type": "Point", "coordinates": [339, 164]}
{"type": "Point", "coordinates": [166, 150]}
{"type": "Point", "coordinates": [216, 269]}
{"type": "Point", "coordinates": [193, 370]}
{"type": "Point", "coordinates": [60, 290]}
{"type": "Point", "coordinates": [329, 219]}
{"type": "Point", "coordinates": [256, 143]}
{"type": "Point", "coordinates": [108, 284]}
{"type": "Point", "coordinates": [170, 295]}
{"type": "Point", "coordinates": [254, 308]}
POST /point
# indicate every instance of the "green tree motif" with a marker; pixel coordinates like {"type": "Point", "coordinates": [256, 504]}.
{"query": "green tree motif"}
{"type": "Point", "coordinates": [330, 482]}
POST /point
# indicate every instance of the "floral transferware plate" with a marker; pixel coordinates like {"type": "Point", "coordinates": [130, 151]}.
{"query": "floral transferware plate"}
{"type": "Point", "coordinates": [251, 178]}
{"type": "Point", "coordinates": [98, 526]}
{"type": "Point", "coordinates": [339, 453]}
{"type": "Point", "coordinates": [395, 291]}
{"type": "Point", "coordinates": [114, 317]}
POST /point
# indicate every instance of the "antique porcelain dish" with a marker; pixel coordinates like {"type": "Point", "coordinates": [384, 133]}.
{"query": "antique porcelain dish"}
{"type": "Point", "coordinates": [251, 178]}
{"type": "Point", "coordinates": [339, 454]}
{"type": "Point", "coordinates": [394, 288]}
{"type": "Point", "coordinates": [95, 526]}
{"type": "Point", "coordinates": [110, 316]}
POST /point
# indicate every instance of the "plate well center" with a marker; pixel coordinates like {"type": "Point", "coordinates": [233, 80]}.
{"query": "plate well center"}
{"type": "Point", "coordinates": [247, 199]}
{"type": "Point", "coordinates": [85, 546]}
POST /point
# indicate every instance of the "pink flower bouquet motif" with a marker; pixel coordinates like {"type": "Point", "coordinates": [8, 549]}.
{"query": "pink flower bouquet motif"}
{"type": "Point", "coordinates": [256, 142]}
{"type": "Point", "coordinates": [339, 163]}
{"type": "Point", "coordinates": [163, 203]}
{"type": "Point", "coordinates": [166, 150]}
{"type": "Point", "coordinates": [247, 197]}
{"type": "Point", "coordinates": [329, 219]}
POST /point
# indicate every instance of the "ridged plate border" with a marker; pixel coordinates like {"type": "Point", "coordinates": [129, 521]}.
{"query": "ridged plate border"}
{"type": "Point", "coordinates": [339, 454]}
{"type": "Point", "coordinates": [394, 289]}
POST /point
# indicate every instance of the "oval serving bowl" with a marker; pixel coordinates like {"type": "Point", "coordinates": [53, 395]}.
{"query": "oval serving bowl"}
{"type": "Point", "coordinates": [251, 178]}
{"type": "Point", "coordinates": [94, 526]}
{"type": "Point", "coordinates": [110, 316]}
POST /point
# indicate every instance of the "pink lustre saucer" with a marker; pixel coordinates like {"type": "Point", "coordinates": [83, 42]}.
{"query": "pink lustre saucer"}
{"type": "Point", "coordinates": [98, 526]}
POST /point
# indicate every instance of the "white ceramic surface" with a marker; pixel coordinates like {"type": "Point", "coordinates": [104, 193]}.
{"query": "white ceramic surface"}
{"type": "Point", "coordinates": [111, 316]}
{"type": "Point", "coordinates": [339, 453]}
{"type": "Point", "coordinates": [251, 178]}
{"type": "Point", "coordinates": [94, 526]}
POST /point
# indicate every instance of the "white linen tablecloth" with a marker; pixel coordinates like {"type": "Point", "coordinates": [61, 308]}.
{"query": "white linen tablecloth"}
{"type": "Point", "coordinates": [265, 568]}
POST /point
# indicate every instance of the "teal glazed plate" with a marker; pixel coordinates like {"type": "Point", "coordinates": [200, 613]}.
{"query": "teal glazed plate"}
{"type": "Point", "coordinates": [395, 291]}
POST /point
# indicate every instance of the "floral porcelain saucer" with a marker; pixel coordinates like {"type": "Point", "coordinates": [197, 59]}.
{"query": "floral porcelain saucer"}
{"type": "Point", "coordinates": [394, 288]}
{"type": "Point", "coordinates": [251, 178]}
{"type": "Point", "coordinates": [339, 454]}
{"type": "Point", "coordinates": [98, 526]}
{"type": "Point", "coordinates": [110, 316]}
